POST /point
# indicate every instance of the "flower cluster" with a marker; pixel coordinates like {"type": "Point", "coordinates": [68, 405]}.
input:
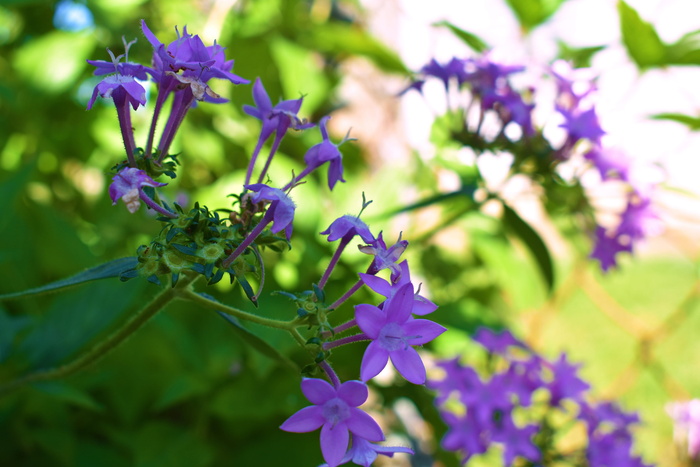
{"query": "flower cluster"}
{"type": "Point", "coordinates": [393, 332]}
{"type": "Point", "coordinates": [520, 402]}
{"type": "Point", "coordinates": [488, 85]}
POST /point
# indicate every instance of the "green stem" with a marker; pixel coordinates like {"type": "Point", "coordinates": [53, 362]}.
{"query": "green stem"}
{"type": "Point", "coordinates": [189, 294]}
{"type": "Point", "coordinates": [103, 347]}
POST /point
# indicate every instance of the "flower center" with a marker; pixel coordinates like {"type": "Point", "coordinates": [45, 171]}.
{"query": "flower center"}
{"type": "Point", "coordinates": [336, 411]}
{"type": "Point", "coordinates": [392, 337]}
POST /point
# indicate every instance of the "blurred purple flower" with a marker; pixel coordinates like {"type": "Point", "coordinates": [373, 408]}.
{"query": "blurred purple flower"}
{"type": "Point", "coordinates": [607, 247]}
{"type": "Point", "coordinates": [335, 412]}
{"type": "Point", "coordinates": [566, 383]}
{"type": "Point", "coordinates": [496, 342]}
{"type": "Point", "coordinates": [581, 124]}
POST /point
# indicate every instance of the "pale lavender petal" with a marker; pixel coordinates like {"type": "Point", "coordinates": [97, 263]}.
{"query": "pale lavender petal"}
{"type": "Point", "coordinates": [408, 363]}
{"type": "Point", "coordinates": [317, 391]}
{"type": "Point", "coordinates": [370, 319]}
{"type": "Point", "coordinates": [424, 329]}
{"type": "Point", "coordinates": [334, 443]}
{"type": "Point", "coordinates": [353, 392]}
{"type": "Point", "coordinates": [362, 424]}
{"type": "Point", "coordinates": [373, 361]}
{"type": "Point", "coordinates": [422, 306]}
{"type": "Point", "coordinates": [307, 419]}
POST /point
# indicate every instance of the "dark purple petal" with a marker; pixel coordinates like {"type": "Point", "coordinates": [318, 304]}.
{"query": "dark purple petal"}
{"type": "Point", "coordinates": [424, 329]}
{"type": "Point", "coordinates": [373, 361]}
{"type": "Point", "coordinates": [317, 391]}
{"type": "Point", "coordinates": [307, 419]}
{"type": "Point", "coordinates": [370, 319]}
{"type": "Point", "coordinates": [353, 392]}
{"type": "Point", "coordinates": [409, 364]}
{"type": "Point", "coordinates": [334, 443]}
{"type": "Point", "coordinates": [362, 424]}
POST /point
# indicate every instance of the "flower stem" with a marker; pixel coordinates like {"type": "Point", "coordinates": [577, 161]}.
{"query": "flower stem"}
{"type": "Point", "coordinates": [155, 206]}
{"type": "Point", "coordinates": [253, 158]}
{"type": "Point", "coordinates": [345, 340]}
{"type": "Point", "coordinates": [124, 117]}
{"type": "Point", "coordinates": [334, 260]}
{"type": "Point", "coordinates": [189, 294]}
{"type": "Point", "coordinates": [335, 381]}
{"type": "Point", "coordinates": [267, 218]}
{"type": "Point", "coordinates": [105, 346]}
{"type": "Point", "coordinates": [346, 295]}
{"type": "Point", "coordinates": [273, 150]}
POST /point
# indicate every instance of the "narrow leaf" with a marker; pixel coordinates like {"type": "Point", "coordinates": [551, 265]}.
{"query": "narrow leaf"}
{"type": "Point", "coordinates": [517, 226]}
{"type": "Point", "coordinates": [257, 343]}
{"type": "Point", "coordinates": [103, 271]}
{"type": "Point", "coordinates": [532, 13]}
{"type": "Point", "coordinates": [473, 41]}
{"type": "Point", "coordinates": [688, 120]}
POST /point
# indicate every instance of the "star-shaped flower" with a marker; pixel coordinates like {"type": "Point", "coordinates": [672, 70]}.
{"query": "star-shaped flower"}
{"type": "Point", "coordinates": [281, 206]}
{"type": "Point", "coordinates": [336, 412]}
{"type": "Point", "coordinates": [393, 333]}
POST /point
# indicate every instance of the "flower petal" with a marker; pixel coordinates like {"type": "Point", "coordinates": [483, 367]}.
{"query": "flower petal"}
{"type": "Point", "coordinates": [317, 391]}
{"type": "Point", "coordinates": [408, 363]}
{"type": "Point", "coordinates": [307, 419]}
{"type": "Point", "coordinates": [362, 424]}
{"type": "Point", "coordinates": [370, 319]}
{"type": "Point", "coordinates": [334, 442]}
{"type": "Point", "coordinates": [424, 329]}
{"type": "Point", "coordinates": [401, 304]}
{"type": "Point", "coordinates": [373, 361]}
{"type": "Point", "coordinates": [377, 284]}
{"type": "Point", "coordinates": [353, 392]}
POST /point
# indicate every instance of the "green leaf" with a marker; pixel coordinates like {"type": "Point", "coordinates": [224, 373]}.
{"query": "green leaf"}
{"type": "Point", "coordinates": [686, 51]}
{"type": "Point", "coordinates": [253, 340]}
{"type": "Point", "coordinates": [691, 122]}
{"type": "Point", "coordinates": [640, 38]}
{"type": "Point", "coordinates": [517, 226]}
{"type": "Point", "coordinates": [345, 39]}
{"type": "Point", "coordinates": [579, 57]}
{"type": "Point", "coordinates": [532, 13]}
{"type": "Point", "coordinates": [103, 271]}
{"type": "Point", "coordinates": [473, 41]}
{"type": "Point", "coordinates": [67, 393]}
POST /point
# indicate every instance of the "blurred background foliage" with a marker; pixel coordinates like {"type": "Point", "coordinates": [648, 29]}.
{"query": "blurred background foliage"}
{"type": "Point", "coordinates": [184, 391]}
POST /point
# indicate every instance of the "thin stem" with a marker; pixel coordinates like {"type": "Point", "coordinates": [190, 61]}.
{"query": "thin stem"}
{"type": "Point", "coordinates": [253, 158]}
{"type": "Point", "coordinates": [105, 346]}
{"type": "Point", "coordinates": [345, 326]}
{"type": "Point", "coordinates": [334, 260]}
{"type": "Point", "coordinates": [335, 381]}
{"type": "Point", "coordinates": [267, 218]}
{"type": "Point", "coordinates": [189, 294]}
{"type": "Point", "coordinates": [346, 295]}
{"type": "Point", "coordinates": [346, 340]}
{"type": "Point", "coordinates": [155, 206]}
{"type": "Point", "coordinates": [124, 117]}
{"type": "Point", "coordinates": [307, 170]}
{"type": "Point", "coordinates": [273, 150]}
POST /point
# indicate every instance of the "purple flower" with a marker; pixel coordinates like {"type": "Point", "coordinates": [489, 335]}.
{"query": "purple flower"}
{"type": "Point", "coordinates": [496, 342]}
{"type": "Point", "coordinates": [421, 305]}
{"type": "Point", "coordinates": [465, 434]}
{"type": "Point", "coordinates": [336, 412]}
{"type": "Point", "coordinates": [607, 247]}
{"type": "Point", "coordinates": [281, 206]}
{"type": "Point", "coordinates": [384, 257]}
{"type": "Point", "coordinates": [326, 151]}
{"type": "Point", "coordinates": [128, 185]}
{"type": "Point", "coordinates": [452, 69]}
{"type": "Point", "coordinates": [393, 332]}
{"type": "Point", "coordinates": [346, 227]}
{"type": "Point", "coordinates": [123, 89]}
{"type": "Point", "coordinates": [517, 441]}
{"type": "Point", "coordinates": [581, 124]}
{"type": "Point", "coordinates": [566, 383]}
{"type": "Point", "coordinates": [277, 119]}
{"type": "Point", "coordinates": [363, 452]}
{"type": "Point", "coordinates": [686, 424]}
{"type": "Point", "coordinates": [611, 163]}
{"type": "Point", "coordinates": [572, 84]}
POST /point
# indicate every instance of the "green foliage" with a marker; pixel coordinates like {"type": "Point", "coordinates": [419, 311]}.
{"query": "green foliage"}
{"type": "Point", "coordinates": [640, 38]}
{"type": "Point", "coordinates": [472, 40]}
{"type": "Point", "coordinates": [693, 123]}
{"type": "Point", "coordinates": [532, 13]}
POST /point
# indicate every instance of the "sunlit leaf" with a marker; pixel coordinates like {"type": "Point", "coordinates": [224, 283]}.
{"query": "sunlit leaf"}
{"type": "Point", "coordinates": [532, 13]}
{"type": "Point", "coordinates": [691, 122]}
{"type": "Point", "coordinates": [472, 40]}
{"type": "Point", "coordinates": [640, 38]}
